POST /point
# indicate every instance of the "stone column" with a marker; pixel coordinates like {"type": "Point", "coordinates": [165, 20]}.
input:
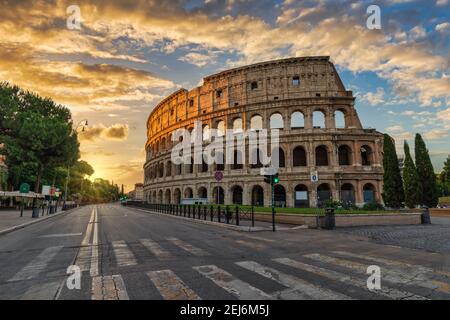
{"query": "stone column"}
{"type": "Point", "coordinates": [227, 193]}
{"type": "Point", "coordinates": [308, 119]}
{"type": "Point", "coordinates": [313, 195]}
{"type": "Point", "coordinates": [246, 195]}
{"type": "Point", "coordinates": [289, 196]}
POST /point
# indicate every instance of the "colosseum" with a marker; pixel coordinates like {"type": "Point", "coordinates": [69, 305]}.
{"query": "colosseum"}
{"type": "Point", "coordinates": [319, 130]}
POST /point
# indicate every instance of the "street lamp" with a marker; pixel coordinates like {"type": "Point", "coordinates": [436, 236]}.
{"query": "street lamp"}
{"type": "Point", "coordinates": [83, 124]}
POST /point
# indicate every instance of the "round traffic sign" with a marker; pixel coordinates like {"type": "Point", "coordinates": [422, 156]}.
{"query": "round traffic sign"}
{"type": "Point", "coordinates": [218, 175]}
{"type": "Point", "coordinates": [24, 188]}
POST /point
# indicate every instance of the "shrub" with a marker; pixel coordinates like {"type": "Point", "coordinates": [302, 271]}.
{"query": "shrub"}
{"type": "Point", "coordinates": [372, 206]}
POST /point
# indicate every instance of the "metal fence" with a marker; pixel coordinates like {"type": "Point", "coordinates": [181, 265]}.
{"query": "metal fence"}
{"type": "Point", "coordinates": [223, 214]}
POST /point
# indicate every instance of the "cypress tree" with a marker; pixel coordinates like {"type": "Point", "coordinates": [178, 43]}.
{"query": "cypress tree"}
{"type": "Point", "coordinates": [411, 180]}
{"type": "Point", "coordinates": [393, 194]}
{"type": "Point", "coordinates": [425, 172]}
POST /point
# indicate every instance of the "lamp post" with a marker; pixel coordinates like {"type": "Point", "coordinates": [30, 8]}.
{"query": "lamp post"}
{"type": "Point", "coordinates": [83, 124]}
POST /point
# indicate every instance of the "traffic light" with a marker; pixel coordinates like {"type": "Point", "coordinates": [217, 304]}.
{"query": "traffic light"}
{"type": "Point", "coordinates": [272, 178]}
{"type": "Point", "coordinates": [276, 179]}
{"type": "Point", "coordinates": [268, 179]}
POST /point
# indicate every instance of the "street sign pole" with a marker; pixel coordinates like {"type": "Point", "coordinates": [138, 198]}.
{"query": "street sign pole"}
{"type": "Point", "coordinates": [273, 206]}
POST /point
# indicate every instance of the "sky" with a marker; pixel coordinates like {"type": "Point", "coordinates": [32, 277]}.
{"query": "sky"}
{"type": "Point", "coordinates": [128, 55]}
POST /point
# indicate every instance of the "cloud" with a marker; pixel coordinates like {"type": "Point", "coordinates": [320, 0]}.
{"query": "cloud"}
{"type": "Point", "coordinates": [374, 98]}
{"type": "Point", "coordinates": [443, 27]}
{"type": "Point", "coordinates": [199, 59]}
{"type": "Point", "coordinates": [118, 132]}
{"type": "Point", "coordinates": [434, 134]}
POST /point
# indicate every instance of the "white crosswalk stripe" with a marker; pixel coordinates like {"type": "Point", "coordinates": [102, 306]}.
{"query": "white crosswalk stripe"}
{"type": "Point", "coordinates": [300, 289]}
{"type": "Point", "coordinates": [155, 249]}
{"type": "Point", "coordinates": [341, 277]}
{"type": "Point", "coordinates": [234, 286]}
{"type": "Point", "coordinates": [124, 256]}
{"type": "Point", "coordinates": [401, 277]}
{"type": "Point", "coordinates": [189, 248]}
{"type": "Point", "coordinates": [37, 265]}
{"type": "Point", "coordinates": [170, 286]}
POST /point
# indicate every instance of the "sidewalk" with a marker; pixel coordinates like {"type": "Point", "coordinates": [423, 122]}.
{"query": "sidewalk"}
{"type": "Point", "coordinates": [11, 218]}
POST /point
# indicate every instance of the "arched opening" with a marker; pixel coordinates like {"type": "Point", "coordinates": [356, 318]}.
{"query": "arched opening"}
{"type": "Point", "coordinates": [237, 125]}
{"type": "Point", "coordinates": [204, 166]}
{"type": "Point", "coordinates": [188, 193]}
{"type": "Point", "coordinates": [237, 160]}
{"type": "Point", "coordinates": [281, 158]}
{"type": "Point", "coordinates": [279, 196]}
{"type": "Point", "coordinates": [344, 154]}
{"type": "Point", "coordinates": [154, 198]}
{"type": "Point", "coordinates": [255, 161]}
{"type": "Point", "coordinates": [348, 194]}
{"type": "Point", "coordinates": [339, 118]}
{"type": "Point", "coordinates": [258, 196]}
{"type": "Point", "coordinates": [167, 198]}
{"type": "Point", "coordinates": [301, 196]}
{"type": "Point", "coordinates": [206, 133]}
{"type": "Point", "coordinates": [190, 166]}
{"type": "Point", "coordinates": [366, 155]}
{"type": "Point", "coordinates": [276, 121]}
{"type": "Point", "coordinates": [177, 196]}
{"type": "Point", "coordinates": [168, 168]}
{"type": "Point", "coordinates": [160, 196]}
{"type": "Point", "coordinates": [203, 193]}
{"type": "Point", "coordinates": [321, 156]}
{"type": "Point", "coordinates": [318, 119]}
{"type": "Point", "coordinates": [237, 195]}
{"type": "Point", "coordinates": [299, 157]}
{"type": "Point", "coordinates": [218, 195]}
{"type": "Point", "coordinates": [163, 144]}
{"type": "Point", "coordinates": [256, 122]}
{"type": "Point", "coordinates": [323, 194]}
{"type": "Point", "coordinates": [219, 161]}
{"type": "Point", "coordinates": [297, 120]}
{"type": "Point", "coordinates": [161, 170]}
{"type": "Point", "coordinates": [220, 128]}
{"type": "Point", "coordinates": [178, 169]}
{"type": "Point", "coordinates": [369, 193]}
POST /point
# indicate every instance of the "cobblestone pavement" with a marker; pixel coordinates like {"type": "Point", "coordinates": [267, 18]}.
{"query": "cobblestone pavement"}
{"type": "Point", "coordinates": [434, 237]}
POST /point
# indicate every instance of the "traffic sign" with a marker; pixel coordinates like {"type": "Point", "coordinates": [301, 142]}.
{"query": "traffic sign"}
{"type": "Point", "coordinates": [24, 188]}
{"type": "Point", "coordinates": [46, 190]}
{"type": "Point", "coordinates": [314, 176]}
{"type": "Point", "coordinates": [218, 175]}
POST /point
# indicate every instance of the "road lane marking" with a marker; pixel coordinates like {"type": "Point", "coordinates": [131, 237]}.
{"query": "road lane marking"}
{"type": "Point", "coordinates": [94, 254]}
{"type": "Point", "coordinates": [124, 256]}
{"type": "Point", "coordinates": [109, 288]}
{"type": "Point", "coordinates": [155, 249]}
{"type": "Point", "coordinates": [170, 286]}
{"type": "Point", "coordinates": [341, 277]}
{"type": "Point", "coordinates": [260, 238]}
{"type": "Point", "coordinates": [253, 245]}
{"type": "Point", "coordinates": [401, 277]}
{"type": "Point", "coordinates": [300, 289]}
{"type": "Point", "coordinates": [37, 265]}
{"type": "Point", "coordinates": [58, 235]}
{"type": "Point", "coordinates": [189, 248]}
{"type": "Point", "coordinates": [232, 285]}
{"type": "Point", "coordinates": [87, 235]}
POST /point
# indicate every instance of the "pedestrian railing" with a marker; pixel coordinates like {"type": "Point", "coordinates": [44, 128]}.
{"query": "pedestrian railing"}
{"type": "Point", "coordinates": [227, 214]}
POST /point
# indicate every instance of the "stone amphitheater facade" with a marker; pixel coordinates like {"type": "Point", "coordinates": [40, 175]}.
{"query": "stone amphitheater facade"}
{"type": "Point", "coordinates": [320, 132]}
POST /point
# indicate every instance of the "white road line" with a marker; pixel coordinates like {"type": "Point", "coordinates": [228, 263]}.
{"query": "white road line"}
{"type": "Point", "coordinates": [57, 235]}
{"type": "Point", "coordinates": [189, 248]}
{"type": "Point", "coordinates": [155, 249]}
{"type": "Point", "coordinates": [260, 238]}
{"type": "Point", "coordinates": [300, 289]}
{"type": "Point", "coordinates": [401, 277]}
{"type": "Point", "coordinates": [37, 265]}
{"type": "Point", "coordinates": [341, 277]}
{"type": "Point", "coordinates": [236, 287]}
{"type": "Point", "coordinates": [124, 256]}
{"type": "Point", "coordinates": [109, 288]}
{"type": "Point", "coordinates": [170, 286]}
{"type": "Point", "coordinates": [94, 256]}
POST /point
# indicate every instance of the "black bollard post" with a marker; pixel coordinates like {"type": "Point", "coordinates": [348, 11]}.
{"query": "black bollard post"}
{"type": "Point", "coordinates": [425, 216]}
{"type": "Point", "coordinates": [330, 221]}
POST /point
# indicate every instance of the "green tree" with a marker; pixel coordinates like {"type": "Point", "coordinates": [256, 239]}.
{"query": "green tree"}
{"type": "Point", "coordinates": [425, 171]}
{"type": "Point", "coordinates": [393, 194]}
{"type": "Point", "coordinates": [410, 180]}
{"type": "Point", "coordinates": [445, 174]}
{"type": "Point", "coordinates": [37, 134]}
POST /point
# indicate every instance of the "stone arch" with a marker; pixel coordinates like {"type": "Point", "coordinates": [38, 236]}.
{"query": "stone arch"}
{"type": "Point", "coordinates": [257, 196]}
{"type": "Point", "coordinates": [347, 193]}
{"type": "Point", "coordinates": [206, 132]}
{"type": "Point", "coordinates": [188, 193]}
{"type": "Point", "coordinates": [256, 122]}
{"type": "Point", "coordinates": [321, 153]}
{"type": "Point", "coordinates": [218, 195]}
{"type": "Point", "coordinates": [237, 194]}
{"type": "Point", "coordinates": [323, 194]}
{"type": "Point", "coordinates": [276, 121]}
{"type": "Point", "coordinates": [344, 155]}
{"type": "Point", "coordinates": [167, 197]}
{"type": "Point", "coordinates": [319, 117]}
{"type": "Point", "coordinates": [297, 120]}
{"type": "Point", "coordinates": [154, 198]}
{"type": "Point", "coordinates": [366, 155]}
{"type": "Point", "coordinates": [237, 124]}
{"type": "Point", "coordinates": [299, 157]}
{"type": "Point", "coordinates": [168, 168]}
{"type": "Point", "coordinates": [301, 196]}
{"type": "Point", "coordinates": [160, 196]}
{"type": "Point", "coordinates": [279, 195]}
{"type": "Point", "coordinates": [281, 157]}
{"type": "Point", "coordinates": [369, 193]}
{"type": "Point", "coordinates": [202, 192]}
{"type": "Point", "coordinates": [177, 196]}
{"type": "Point", "coordinates": [221, 128]}
{"type": "Point", "coordinates": [339, 119]}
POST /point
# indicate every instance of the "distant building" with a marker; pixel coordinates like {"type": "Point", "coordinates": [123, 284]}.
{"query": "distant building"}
{"type": "Point", "coordinates": [137, 193]}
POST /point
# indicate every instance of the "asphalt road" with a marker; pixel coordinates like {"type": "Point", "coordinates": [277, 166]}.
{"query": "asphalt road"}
{"type": "Point", "coordinates": [126, 253]}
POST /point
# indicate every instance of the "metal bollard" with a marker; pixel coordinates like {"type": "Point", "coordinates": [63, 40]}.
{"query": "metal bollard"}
{"type": "Point", "coordinates": [425, 216]}
{"type": "Point", "coordinates": [237, 215]}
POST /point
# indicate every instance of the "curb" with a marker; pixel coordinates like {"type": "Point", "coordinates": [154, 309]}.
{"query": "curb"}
{"type": "Point", "coordinates": [21, 226]}
{"type": "Point", "coordinates": [217, 224]}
